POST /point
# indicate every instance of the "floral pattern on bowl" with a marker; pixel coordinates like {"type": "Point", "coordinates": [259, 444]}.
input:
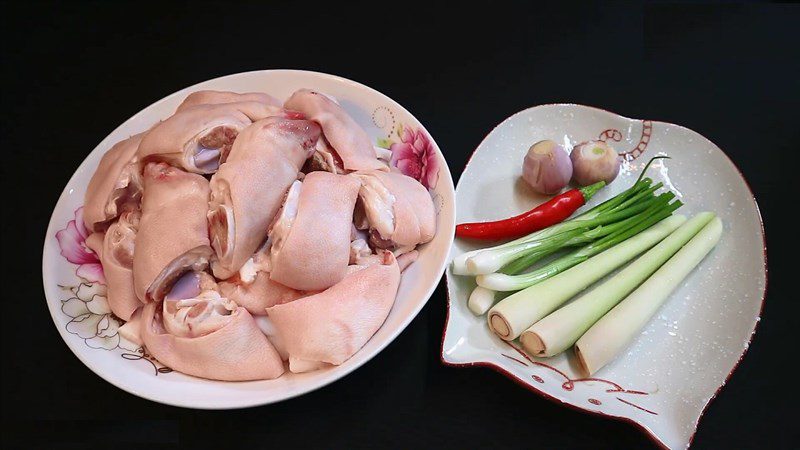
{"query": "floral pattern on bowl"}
{"type": "Point", "coordinates": [665, 379]}
{"type": "Point", "coordinates": [412, 149]}
{"type": "Point", "coordinates": [72, 242]}
{"type": "Point", "coordinates": [415, 156]}
{"type": "Point", "coordinates": [85, 303]}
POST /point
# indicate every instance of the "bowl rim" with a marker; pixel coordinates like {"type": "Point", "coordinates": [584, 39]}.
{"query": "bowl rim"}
{"type": "Point", "coordinates": [545, 395]}
{"type": "Point", "coordinates": [131, 388]}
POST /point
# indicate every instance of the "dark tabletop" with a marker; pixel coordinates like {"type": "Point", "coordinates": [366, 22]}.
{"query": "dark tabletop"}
{"type": "Point", "coordinates": [72, 73]}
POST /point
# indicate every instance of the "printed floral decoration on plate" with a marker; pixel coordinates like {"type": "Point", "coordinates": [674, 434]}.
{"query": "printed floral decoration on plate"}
{"type": "Point", "coordinates": [85, 302]}
{"type": "Point", "coordinates": [413, 155]}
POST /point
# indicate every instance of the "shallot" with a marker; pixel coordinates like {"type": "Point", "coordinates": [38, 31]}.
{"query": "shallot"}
{"type": "Point", "coordinates": [546, 167]}
{"type": "Point", "coordinates": [594, 161]}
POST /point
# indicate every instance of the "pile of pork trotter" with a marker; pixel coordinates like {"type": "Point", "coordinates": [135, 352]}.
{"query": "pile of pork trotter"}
{"type": "Point", "coordinates": [240, 233]}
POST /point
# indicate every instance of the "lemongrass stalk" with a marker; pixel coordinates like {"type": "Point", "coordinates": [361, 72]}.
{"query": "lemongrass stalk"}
{"type": "Point", "coordinates": [504, 282]}
{"type": "Point", "coordinates": [481, 300]}
{"type": "Point", "coordinates": [511, 316]}
{"type": "Point", "coordinates": [560, 329]}
{"type": "Point", "coordinates": [614, 331]}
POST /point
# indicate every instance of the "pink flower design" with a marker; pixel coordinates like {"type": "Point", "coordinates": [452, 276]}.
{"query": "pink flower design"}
{"type": "Point", "coordinates": [416, 157]}
{"type": "Point", "coordinates": [72, 241]}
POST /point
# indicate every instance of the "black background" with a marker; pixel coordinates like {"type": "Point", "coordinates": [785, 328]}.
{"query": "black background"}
{"type": "Point", "coordinates": [73, 72]}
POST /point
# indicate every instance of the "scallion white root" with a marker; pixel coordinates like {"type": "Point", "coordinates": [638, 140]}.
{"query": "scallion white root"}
{"type": "Point", "coordinates": [489, 261]}
{"type": "Point", "coordinates": [511, 316]}
{"type": "Point", "coordinates": [559, 330]}
{"type": "Point", "coordinates": [606, 338]}
{"type": "Point", "coordinates": [460, 263]}
{"type": "Point", "coordinates": [481, 300]}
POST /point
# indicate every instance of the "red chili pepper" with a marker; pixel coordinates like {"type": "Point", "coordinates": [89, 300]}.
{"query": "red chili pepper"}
{"type": "Point", "coordinates": [548, 213]}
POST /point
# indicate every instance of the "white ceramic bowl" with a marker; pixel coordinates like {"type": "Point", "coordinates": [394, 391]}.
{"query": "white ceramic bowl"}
{"type": "Point", "coordinates": [76, 299]}
{"type": "Point", "coordinates": [663, 381]}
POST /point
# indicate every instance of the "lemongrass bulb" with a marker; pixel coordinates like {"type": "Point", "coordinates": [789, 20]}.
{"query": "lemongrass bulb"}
{"type": "Point", "coordinates": [594, 161]}
{"type": "Point", "coordinates": [547, 167]}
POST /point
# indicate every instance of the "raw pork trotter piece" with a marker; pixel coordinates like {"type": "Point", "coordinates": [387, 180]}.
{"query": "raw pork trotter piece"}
{"type": "Point", "coordinates": [198, 332]}
{"type": "Point", "coordinates": [311, 237]}
{"type": "Point", "coordinates": [247, 190]}
{"type": "Point", "coordinates": [198, 138]}
{"type": "Point", "coordinates": [220, 97]}
{"type": "Point", "coordinates": [173, 230]}
{"type": "Point", "coordinates": [349, 141]}
{"type": "Point", "coordinates": [116, 256]}
{"type": "Point", "coordinates": [397, 209]}
{"type": "Point", "coordinates": [260, 294]}
{"type": "Point", "coordinates": [95, 243]}
{"type": "Point", "coordinates": [252, 289]}
{"type": "Point", "coordinates": [131, 330]}
{"type": "Point", "coordinates": [333, 325]}
{"type": "Point", "coordinates": [115, 185]}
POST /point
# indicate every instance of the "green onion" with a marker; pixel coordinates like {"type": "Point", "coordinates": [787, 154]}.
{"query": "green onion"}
{"type": "Point", "coordinates": [628, 203]}
{"type": "Point", "coordinates": [614, 234]}
{"type": "Point", "coordinates": [511, 316]}
{"type": "Point", "coordinates": [559, 330]}
{"type": "Point", "coordinates": [492, 260]}
{"type": "Point", "coordinates": [606, 338]}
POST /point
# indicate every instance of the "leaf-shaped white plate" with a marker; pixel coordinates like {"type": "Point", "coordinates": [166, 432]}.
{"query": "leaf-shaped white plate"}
{"type": "Point", "coordinates": [76, 294]}
{"type": "Point", "coordinates": [668, 375]}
